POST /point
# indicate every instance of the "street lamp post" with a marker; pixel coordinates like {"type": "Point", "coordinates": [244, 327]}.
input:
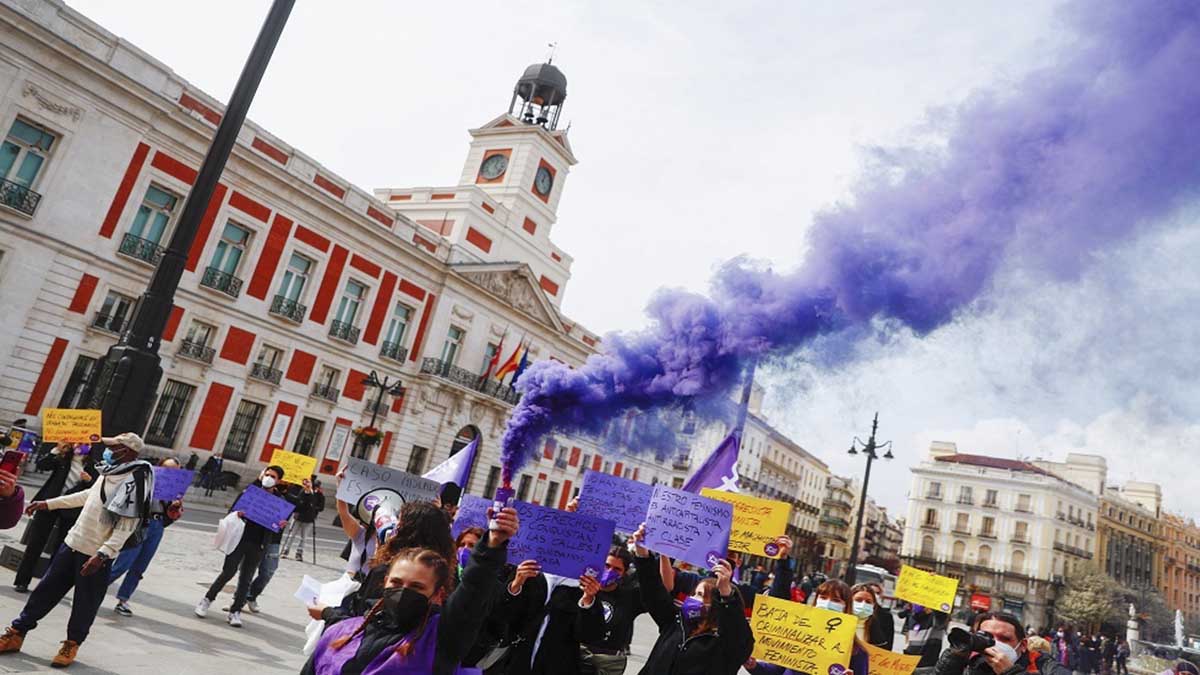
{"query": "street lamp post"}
{"type": "Point", "coordinates": [385, 385]}
{"type": "Point", "coordinates": [129, 374]}
{"type": "Point", "coordinates": [868, 449]}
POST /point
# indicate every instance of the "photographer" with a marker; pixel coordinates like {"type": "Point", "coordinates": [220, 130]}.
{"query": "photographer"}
{"type": "Point", "coordinates": [995, 646]}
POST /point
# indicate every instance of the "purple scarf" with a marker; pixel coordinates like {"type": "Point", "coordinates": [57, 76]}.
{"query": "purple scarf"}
{"type": "Point", "coordinates": [329, 661]}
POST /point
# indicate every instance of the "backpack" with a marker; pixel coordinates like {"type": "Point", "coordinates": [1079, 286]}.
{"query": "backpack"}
{"type": "Point", "coordinates": [139, 535]}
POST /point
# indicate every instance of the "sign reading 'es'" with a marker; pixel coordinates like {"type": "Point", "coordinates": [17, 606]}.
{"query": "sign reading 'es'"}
{"type": "Point", "coordinates": [756, 522]}
{"type": "Point", "coordinates": [619, 499]}
{"type": "Point", "coordinates": [688, 527]}
{"type": "Point", "coordinates": [926, 588]}
{"type": "Point", "coordinates": [805, 639]}
{"type": "Point", "coordinates": [363, 476]}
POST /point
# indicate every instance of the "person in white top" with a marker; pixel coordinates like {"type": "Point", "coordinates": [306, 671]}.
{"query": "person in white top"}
{"type": "Point", "coordinates": [113, 510]}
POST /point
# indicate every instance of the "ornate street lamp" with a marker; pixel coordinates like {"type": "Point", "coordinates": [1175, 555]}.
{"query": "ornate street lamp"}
{"type": "Point", "coordinates": [868, 449]}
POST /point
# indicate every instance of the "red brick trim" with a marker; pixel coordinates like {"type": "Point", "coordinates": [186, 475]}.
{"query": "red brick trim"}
{"type": "Point", "coordinates": [173, 321]}
{"type": "Point", "coordinates": [206, 226]}
{"type": "Point", "coordinates": [379, 312]}
{"type": "Point", "coordinates": [312, 238]}
{"type": "Point", "coordinates": [173, 167]}
{"type": "Point", "coordinates": [83, 294]}
{"type": "Point", "coordinates": [268, 261]}
{"type": "Point", "coordinates": [380, 216]}
{"type": "Point", "coordinates": [248, 206]}
{"type": "Point", "coordinates": [487, 207]}
{"type": "Point", "coordinates": [49, 367]}
{"type": "Point", "coordinates": [365, 266]}
{"type": "Point", "coordinates": [329, 186]}
{"type": "Point", "coordinates": [269, 150]}
{"type": "Point", "coordinates": [409, 288]}
{"type": "Point", "coordinates": [237, 345]}
{"type": "Point", "coordinates": [419, 341]}
{"type": "Point", "coordinates": [479, 239]}
{"type": "Point", "coordinates": [329, 284]}
{"type": "Point", "coordinates": [438, 196]}
{"type": "Point", "coordinates": [196, 105]}
{"type": "Point", "coordinates": [548, 286]}
{"type": "Point", "coordinates": [529, 226]}
{"type": "Point", "coordinates": [301, 366]}
{"type": "Point", "coordinates": [212, 413]}
{"type": "Point", "coordinates": [122, 197]}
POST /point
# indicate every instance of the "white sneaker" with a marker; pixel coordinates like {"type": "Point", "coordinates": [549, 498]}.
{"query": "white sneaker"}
{"type": "Point", "coordinates": [202, 607]}
{"type": "Point", "coordinates": [252, 606]}
{"type": "Point", "coordinates": [235, 619]}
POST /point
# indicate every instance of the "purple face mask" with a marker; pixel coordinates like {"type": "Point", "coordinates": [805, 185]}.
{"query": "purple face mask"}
{"type": "Point", "coordinates": [692, 610]}
{"type": "Point", "coordinates": [464, 555]}
{"type": "Point", "coordinates": [609, 577]}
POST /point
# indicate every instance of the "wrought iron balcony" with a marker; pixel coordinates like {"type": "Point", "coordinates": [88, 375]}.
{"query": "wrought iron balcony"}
{"type": "Point", "coordinates": [196, 351]}
{"type": "Point", "coordinates": [962, 530]}
{"type": "Point", "coordinates": [930, 526]}
{"type": "Point", "coordinates": [966, 501]}
{"type": "Point", "coordinates": [393, 351]}
{"type": "Point", "coordinates": [465, 378]}
{"type": "Point", "coordinates": [221, 281]}
{"type": "Point", "coordinates": [937, 496]}
{"type": "Point", "coordinates": [288, 309]}
{"type": "Point", "coordinates": [343, 331]}
{"type": "Point", "coordinates": [1025, 509]}
{"type": "Point", "coordinates": [1020, 539]}
{"type": "Point", "coordinates": [19, 197]}
{"type": "Point", "coordinates": [834, 520]}
{"type": "Point", "coordinates": [110, 324]}
{"type": "Point", "coordinates": [989, 534]}
{"type": "Point", "coordinates": [380, 410]}
{"type": "Point", "coordinates": [326, 392]}
{"type": "Point", "coordinates": [261, 371]}
{"type": "Point", "coordinates": [991, 505]}
{"type": "Point", "coordinates": [140, 249]}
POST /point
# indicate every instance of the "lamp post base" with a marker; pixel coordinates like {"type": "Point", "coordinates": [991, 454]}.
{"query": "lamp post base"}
{"type": "Point", "coordinates": [125, 387]}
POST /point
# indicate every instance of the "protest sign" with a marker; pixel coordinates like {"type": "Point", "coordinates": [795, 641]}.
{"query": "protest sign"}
{"type": "Point", "coordinates": [567, 544]}
{"type": "Point", "coordinates": [363, 476]}
{"type": "Point", "coordinates": [803, 638]}
{"type": "Point", "coordinates": [926, 588]}
{"type": "Point", "coordinates": [688, 527]}
{"type": "Point", "coordinates": [619, 499]}
{"type": "Point", "coordinates": [756, 522]}
{"type": "Point", "coordinates": [886, 662]}
{"type": "Point", "coordinates": [296, 467]}
{"type": "Point", "coordinates": [72, 426]}
{"type": "Point", "coordinates": [264, 508]}
{"type": "Point", "coordinates": [170, 484]}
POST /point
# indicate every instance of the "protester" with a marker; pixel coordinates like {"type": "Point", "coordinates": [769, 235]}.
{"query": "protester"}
{"type": "Point", "coordinates": [112, 512]}
{"type": "Point", "coordinates": [1066, 646]}
{"type": "Point", "coordinates": [883, 624]}
{"type": "Point", "coordinates": [924, 629]}
{"type": "Point", "coordinates": [1008, 656]}
{"type": "Point", "coordinates": [71, 470]}
{"type": "Point", "coordinates": [1122, 656]}
{"type": "Point", "coordinates": [1181, 668]}
{"type": "Point", "coordinates": [708, 634]}
{"type": "Point", "coordinates": [210, 474]}
{"type": "Point", "coordinates": [403, 632]}
{"type": "Point", "coordinates": [193, 460]}
{"type": "Point", "coordinates": [1108, 653]}
{"type": "Point", "coordinates": [12, 500]}
{"type": "Point", "coordinates": [872, 629]}
{"type": "Point", "coordinates": [135, 560]}
{"type": "Point", "coordinates": [305, 499]}
{"type": "Point", "coordinates": [244, 559]}
{"type": "Point", "coordinates": [621, 603]}
{"type": "Point", "coordinates": [464, 543]}
{"type": "Point", "coordinates": [310, 502]}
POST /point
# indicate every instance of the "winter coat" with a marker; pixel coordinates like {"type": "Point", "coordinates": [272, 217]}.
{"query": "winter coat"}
{"type": "Point", "coordinates": [955, 662]}
{"type": "Point", "coordinates": [566, 626]}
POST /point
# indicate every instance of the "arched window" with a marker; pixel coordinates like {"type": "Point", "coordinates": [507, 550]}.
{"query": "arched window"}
{"type": "Point", "coordinates": [985, 555]}
{"type": "Point", "coordinates": [959, 551]}
{"type": "Point", "coordinates": [927, 547]}
{"type": "Point", "coordinates": [1018, 562]}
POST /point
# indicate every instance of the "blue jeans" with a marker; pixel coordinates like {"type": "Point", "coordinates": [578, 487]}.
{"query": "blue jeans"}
{"type": "Point", "coordinates": [136, 560]}
{"type": "Point", "coordinates": [266, 570]}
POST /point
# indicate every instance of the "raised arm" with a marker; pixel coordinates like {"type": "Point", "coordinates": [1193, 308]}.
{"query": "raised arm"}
{"type": "Point", "coordinates": [655, 597]}
{"type": "Point", "coordinates": [781, 587]}
{"type": "Point", "coordinates": [467, 607]}
{"type": "Point", "coordinates": [736, 639]}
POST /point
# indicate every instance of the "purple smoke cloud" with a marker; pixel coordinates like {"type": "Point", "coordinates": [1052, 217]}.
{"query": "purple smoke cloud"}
{"type": "Point", "coordinates": [1075, 157]}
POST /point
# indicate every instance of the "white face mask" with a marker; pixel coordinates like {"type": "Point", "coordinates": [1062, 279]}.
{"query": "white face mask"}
{"type": "Point", "coordinates": [863, 609]}
{"type": "Point", "coordinates": [831, 605]}
{"type": "Point", "coordinates": [1007, 650]}
{"type": "Point", "coordinates": [268, 482]}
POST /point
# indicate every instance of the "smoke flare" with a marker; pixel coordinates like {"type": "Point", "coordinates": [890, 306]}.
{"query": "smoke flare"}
{"type": "Point", "coordinates": [1076, 157]}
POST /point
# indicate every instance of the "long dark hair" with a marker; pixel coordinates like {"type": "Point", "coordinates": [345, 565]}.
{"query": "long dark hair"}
{"type": "Point", "coordinates": [865, 588]}
{"type": "Point", "coordinates": [422, 525]}
{"type": "Point", "coordinates": [708, 624]}
{"type": "Point", "coordinates": [441, 572]}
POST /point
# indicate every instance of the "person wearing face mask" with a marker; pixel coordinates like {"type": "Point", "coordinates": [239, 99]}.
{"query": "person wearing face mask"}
{"type": "Point", "coordinates": [883, 624]}
{"type": "Point", "coordinates": [112, 511]}
{"type": "Point", "coordinates": [135, 560]}
{"type": "Point", "coordinates": [410, 629]}
{"type": "Point", "coordinates": [620, 601]}
{"type": "Point", "coordinates": [707, 635]}
{"type": "Point", "coordinates": [559, 614]}
{"type": "Point", "coordinates": [72, 470]}
{"type": "Point", "coordinates": [1008, 656]}
{"type": "Point", "coordinates": [872, 630]}
{"type": "Point", "coordinates": [245, 559]}
{"type": "Point", "coordinates": [924, 629]}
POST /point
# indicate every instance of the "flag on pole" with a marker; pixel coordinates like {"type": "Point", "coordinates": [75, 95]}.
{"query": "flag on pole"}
{"type": "Point", "coordinates": [456, 469]}
{"type": "Point", "coordinates": [719, 471]}
{"type": "Point", "coordinates": [491, 365]}
{"type": "Point", "coordinates": [522, 365]}
{"type": "Point", "coordinates": [510, 364]}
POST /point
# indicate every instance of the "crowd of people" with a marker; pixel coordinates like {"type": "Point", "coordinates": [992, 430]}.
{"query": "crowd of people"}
{"type": "Point", "coordinates": [423, 601]}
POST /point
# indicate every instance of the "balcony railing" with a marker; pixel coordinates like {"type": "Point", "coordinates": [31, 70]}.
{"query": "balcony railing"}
{"type": "Point", "coordinates": [110, 324]}
{"type": "Point", "coordinates": [966, 500]}
{"type": "Point", "coordinates": [987, 535]}
{"type": "Point", "coordinates": [140, 249]}
{"type": "Point", "coordinates": [469, 380]}
{"type": "Point", "coordinates": [961, 530]}
{"type": "Point", "coordinates": [930, 526]}
{"type": "Point", "coordinates": [834, 520]}
{"type": "Point", "coordinates": [1025, 509]}
{"type": "Point", "coordinates": [393, 351]}
{"type": "Point", "coordinates": [379, 409]}
{"type": "Point", "coordinates": [934, 495]}
{"type": "Point", "coordinates": [221, 281]}
{"type": "Point", "coordinates": [1020, 539]}
{"type": "Point", "coordinates": [991, 505]}
{"type": "Point", "coordinates": [196, 351]}
{"type": "Point", "coordinates": [261, 371]}
{"type": "Point", "coordinates": [326, 392]}
{"type": "Point", "coordinates": [288, 309]}
{"type": "Point", "coordinates": [19, 197]}
{"type": "Point", "coordinates": [343, 331]}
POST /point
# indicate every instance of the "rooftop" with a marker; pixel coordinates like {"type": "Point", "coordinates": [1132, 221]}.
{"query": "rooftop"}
{"type": "Point", "coordinates": [994, 463]}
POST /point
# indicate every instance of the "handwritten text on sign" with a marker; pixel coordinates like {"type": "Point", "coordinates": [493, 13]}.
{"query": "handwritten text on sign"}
{"type": "Point", "coordinates": [620, 499]}
{"type": "Point", "coordinates": [170, 484]}
{"type": "Point", "coordinates": [926, 588]}
{"type": "Point", "coordinates": [73, 426]}
{"type": "Point", "coordinates": [688, 527]}
{"type": "Point", "coordinates": [296, 467]}
{"type": "Point", "coordinates": [885, 662]}
{"type": "Point", "coordinates": [363, 476]}
{"type": "Point", "coordinates": [803, 638]}
{"type": "Point", "coordinates": [566, 544]}
{"type": "Point", "coordinates": [264, 508]}
{"type": "Point", "coordinates": [756, 522]}
{"type": "Point", "coordinates": [472, 512]}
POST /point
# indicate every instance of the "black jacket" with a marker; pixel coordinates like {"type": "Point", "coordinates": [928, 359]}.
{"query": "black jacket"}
{"type": "Point", "coordinates": [883, 628]}
{"type": "Point", "coordinates": [954, 662]}
{"type": "Point", "coordinates": [308, 505]}
{"type": "Point", "coordinates": [718, 653]}
{"type": "Point", "coordinates": [568, 627]}
{"type": "Point", "coordinates": [59, 466]}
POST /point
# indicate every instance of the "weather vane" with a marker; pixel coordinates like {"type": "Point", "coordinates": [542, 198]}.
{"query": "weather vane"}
{"type": "Point", "coordinates": [553, 47]}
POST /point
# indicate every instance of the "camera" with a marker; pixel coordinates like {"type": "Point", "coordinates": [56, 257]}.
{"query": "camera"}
{"type": "Point", "coordinates": [966, 641]}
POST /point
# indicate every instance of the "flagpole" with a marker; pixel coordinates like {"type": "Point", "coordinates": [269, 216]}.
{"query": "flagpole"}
{"type": "Point", "coordinates": [739, 427]}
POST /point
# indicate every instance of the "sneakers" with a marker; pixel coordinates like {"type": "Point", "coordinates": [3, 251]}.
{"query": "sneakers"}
{"type": "Point", "coordinates": [21, 588]}
{"type": "Point", "coordinates": [11, 641]}
{"type": "Point", "coordinates": [252, 606]}
{"type": "Point", "coordinates": [122, 608]}
{"type": "Point", "coordinates": [235, 619]}
{"type": "Point", "coordinates": [202, 607]}
{"type": "Point", "coordinates": [66, 654]}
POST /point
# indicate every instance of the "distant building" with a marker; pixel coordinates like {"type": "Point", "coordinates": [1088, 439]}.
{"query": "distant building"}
{"type": "Point", "coordinates": [839, 511]}
{"type": "Point", "coordinates": [1179, 579]}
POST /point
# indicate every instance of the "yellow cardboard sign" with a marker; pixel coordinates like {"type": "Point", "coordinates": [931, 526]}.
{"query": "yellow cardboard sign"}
{"type": "Point", "coordinates": [885, 662]}
{"type": "Point", "coordinates": [756, 522]}
{"type": "Point", "coordinates": [296, 467]}
{"type": "Point", "coordinates": [926, 588]}
{"type": "Point", "coordinates": [803, 638]}
{"type": "Point", "coordinates": [72, 426]}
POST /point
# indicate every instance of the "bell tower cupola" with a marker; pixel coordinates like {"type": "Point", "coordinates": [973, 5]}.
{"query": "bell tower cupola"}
{"type": "Point", "coordinates": [539, 96]}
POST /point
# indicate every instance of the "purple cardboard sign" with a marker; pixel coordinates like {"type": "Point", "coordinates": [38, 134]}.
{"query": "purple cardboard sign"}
{"type": "Point", "coordinates": [264, 508]}
{"type": "Point", "coordinates": [688, 527]}
{"type": "Point", "coordinates": [170, 484]}
{"type": "Point", "coordinates": [566, 544]}
{"type": "Point", "coordinates": [619, 499]}
{"type": "Point", "coordinates": [472, 512]}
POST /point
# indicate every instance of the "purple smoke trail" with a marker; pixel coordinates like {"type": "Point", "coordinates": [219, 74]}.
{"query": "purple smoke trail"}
{"type": "Point", "coordinates": [1076, 157]}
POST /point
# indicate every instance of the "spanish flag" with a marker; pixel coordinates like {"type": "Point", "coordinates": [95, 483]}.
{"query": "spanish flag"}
{"type": "Point", "coordinates": [510, 364]}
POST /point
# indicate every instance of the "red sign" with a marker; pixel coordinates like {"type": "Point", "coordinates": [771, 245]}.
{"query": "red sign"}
{"type": "Point", "coordinates": [980, 602]}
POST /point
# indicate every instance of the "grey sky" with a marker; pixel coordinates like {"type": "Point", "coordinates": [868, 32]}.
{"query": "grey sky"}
{"type": "Point", "coordinates": [707, 130]}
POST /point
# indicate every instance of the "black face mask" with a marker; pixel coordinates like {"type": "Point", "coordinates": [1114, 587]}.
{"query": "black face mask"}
{"type": "Point", "coordinates": [404, 607]}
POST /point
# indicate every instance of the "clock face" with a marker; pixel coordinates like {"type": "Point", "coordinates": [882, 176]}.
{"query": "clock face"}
{"type": "Point", "coordinates": [493, 167]}
{"type": "Point", "coordinates": [543, 181]}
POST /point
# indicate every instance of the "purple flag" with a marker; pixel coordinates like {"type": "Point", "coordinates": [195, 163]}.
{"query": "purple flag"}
{"type": "Point", "coordinates": [719, 471]}
{"type": "Point", "coordinates": [456, 469]}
